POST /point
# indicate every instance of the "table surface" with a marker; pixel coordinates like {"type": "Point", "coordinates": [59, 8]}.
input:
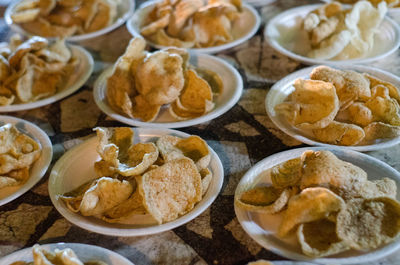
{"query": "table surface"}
{"type": "Point", "coordinates": [241, 137]}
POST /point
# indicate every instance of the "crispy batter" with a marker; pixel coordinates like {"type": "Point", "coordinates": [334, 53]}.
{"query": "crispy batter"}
{"type": "Point", "coordinates": [313, 104]}
{"type": "Point", "coordinates": [339, 133]}
{"type": "Point", "coordinates": [368, 223]}
{"type": "Point", "coordinates": [167, 201]}
{"type": "Point", "coordinates": [311, 204]}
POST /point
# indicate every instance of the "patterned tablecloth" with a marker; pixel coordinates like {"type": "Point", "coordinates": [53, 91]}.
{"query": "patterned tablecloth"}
{"type": "Point", "coordinates": [241, 137]}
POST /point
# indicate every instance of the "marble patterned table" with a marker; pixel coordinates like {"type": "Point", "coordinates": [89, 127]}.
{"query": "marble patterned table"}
{"type": "Point", "coordinates": [241, 137]}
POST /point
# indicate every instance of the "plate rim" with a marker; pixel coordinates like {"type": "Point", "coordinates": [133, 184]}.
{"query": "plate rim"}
{"type": "Point", "coordinates": [62, 94]}
{"type": "Point", "coordinates": [74, 38]}
{"type": "Point", "coordinates": [213, 114]}
{"type": "Point", "coordinates": [386, 250]}
{"type": "Point", "coordinates": [64, 245]}
{"type": "Point", "coordinates": [209, 50]}
{"type": "Point", "coordinates": [304, 139]}
{"type": "Point", "coordinates": [142, 231]}
{"type": "Point", "coordinates": [310, 61]}
{"type": "Point", "coordinates": [46, 143]}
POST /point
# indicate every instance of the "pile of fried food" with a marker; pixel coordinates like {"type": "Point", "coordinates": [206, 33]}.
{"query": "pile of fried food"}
{"type": "Point", "coordinates": [343, 107]}
{"type": "Point", "coordinates": [65, 256]}
{"type": "Point", "coordinates": [34, 69]}
{"type": "Point", "coordinates": [18, 152]}
{"type": "Point", "coordinates": [143, 183]}
{"type": "Point", "coordinates": [329, 203]}
{"type": "Point", "coordinates": [390, 3]}
{"type": "Point", "coordinates": [63, 18]}
{"type": "Point", "coordinates": [192, 23]}
{"type": "Point", "coordinates": [142, 82]}
{"type": "Point", "coordinates": [339, 34]}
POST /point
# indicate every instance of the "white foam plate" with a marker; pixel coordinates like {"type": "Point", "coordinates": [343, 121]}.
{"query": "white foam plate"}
{"type": "Point", "coordinates": [284, 34]}
{"type": "Point", "coordinates": [76, 80]}
{"type": "Point", "coordinates": [76, 167]}
{"type": "Point", "coordinates": [263, 227]}
{"type": "Point", "coordinates": [243, 30]}
{"type": "Point", "coordinates": [259, 3]}
{"type": "Point", "coordinates": [124, 11]}
{"type": "Point", "coordinates": [231, 92]}
{"type": "Point", "coordinates": [39, 167]}
{"type": "Point", "coordinates": [84, 252]}
{"type": "Point", "coordinates": [282, 89]}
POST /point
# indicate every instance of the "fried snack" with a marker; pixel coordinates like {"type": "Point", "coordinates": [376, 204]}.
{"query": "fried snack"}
{"type": "Point", "coordinates": [265, 199]}
{"type": "Point", "coordinates": [65, 256]}
{"type": "Point", "coordinates": [350, 86]}
{"type": "Point", "coordinates": [287, 174]}
{"type": "Point", "coordinates": [337, 208]}
{"type": "Point", "coordinates": [172, 147]}
{"type": "Point", "coordinates": [53, 18]}
{"type": "Point", "coordinates": [104, 194]}
{"type": "Point", "coordinates": [336, 33]}
{"type": "Point", "coordinates": [34, 69]}
{"type": "Point", "coordinates": [18, 152]}
{"type": "Point", "coordinates": [141, 83]}
{"type": "Point", "coordinates": [339, 133]}
{"type": "Point", "coordinates": [312, 105]}
{"type": "Point", "coordinates": [319, 239]}
{"type": "Point", "coordinates": [323, 168]}
{"type": "Point", "coordinates": [187, 23]}
{"type": "Point", "coordinates": [310, 205]}
{"type": "Point", "coordinates": [169, 201]}
{"type": "Point", "coordinates": [367, 224]}
{"type": "Point", "coordinates": [390, 3]}
{"type": "Point", "coordinates": [369, 110]}
{"type": "Point", "coordinates": [143, 183]}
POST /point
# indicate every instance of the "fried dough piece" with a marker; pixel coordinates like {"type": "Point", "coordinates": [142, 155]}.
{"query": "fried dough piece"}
{"type": "Point", "coordinates": [160, 77]}
{"type": "Point", "coordinates": [314, 104]}
{"type": "Point", "coordinates": [195, 93]}
{"type": "Point", "coordinates": [319, 239]}
{"type": "Point", "coordinates": [144, 110]}
{"type": "Point", "coordinates": [323, 168]}
{"type": "Point", "coordinates": [331, 46]}
{"type": "Point", "coordinates": [287, 174]}
{"type": "Point", "coordinates": [193, 147]}
{"type": "Point", "coordinates": [311, 204]}
{"type": "Point", "coordinates": [350, 86]}
{"type": "Point", "coordinates": [265, 199]}
{"type": "Point", "coordinates": [380, 130]}
{"type": "Point", "coordinates": [339, 133]}
{"type": "Point", "coordinates": [33, 44]}
{"type": "Point", "coordinates": [183, 10]}
{"type": "Point", "coordinates": [120, 85]}
{"type": "Point", "coordinates": [206, 177]}
{"type": "Point", "coordinates": [360, 114]}
{"type": "Point", "coordinates": [374, 81]}
{"type": "Point", "coordinates": [384, 110]}
{"type": "Point", "coordinates": [367, 224]}
{"type": "Point", "coordinates": [180, 190]}
{"type": "Point", "coordinates": [324, 30]}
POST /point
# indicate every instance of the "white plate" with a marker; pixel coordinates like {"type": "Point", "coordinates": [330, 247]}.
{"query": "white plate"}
{"type": "Point", "coordinates": [77, 79]}
{"type": "Point", "coordinates": [282, 89]}
{"type": "Point", "coordinates": [125, 11]}
{"type": "Point", "coordinates": [83, 251]}
{"type": "Point", "coordinates": [259, 3]}
{"type": "Point", "coordinates": [248, 26]}
{"type": "Point", "coordinates": [38, 168]}
{"type": "Point", "coordinates": [76, 167]}
{"type": "Point", "coordinates": [231, 92]}
{"type": "Point", "coordinates": [284, 33]}
{"type": "Point", "coordinates": [263, 227]}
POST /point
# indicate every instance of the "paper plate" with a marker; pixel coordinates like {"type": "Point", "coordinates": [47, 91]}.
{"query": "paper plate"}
{"type": "Point", "coordinates": [250, 22]}
{"type": "Point", "coordinates": [76, 80]}
{"type": "Point", "coordinates": [39, 167]}
{"type": "Point", "coordinates": [263, 227]}
{"type": "Point", "coordinates": [282, 89]}
{"type": "Point", "coordinates": [76, 167]}
{"type": "Point", "coordinates": [83, 251]}
{"type": "Point", "coordinates": [125, 11]}
{"type": "Point", "coordinates": [231, 92]}
{"type": "Point", "coordinates": [284, 34]}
